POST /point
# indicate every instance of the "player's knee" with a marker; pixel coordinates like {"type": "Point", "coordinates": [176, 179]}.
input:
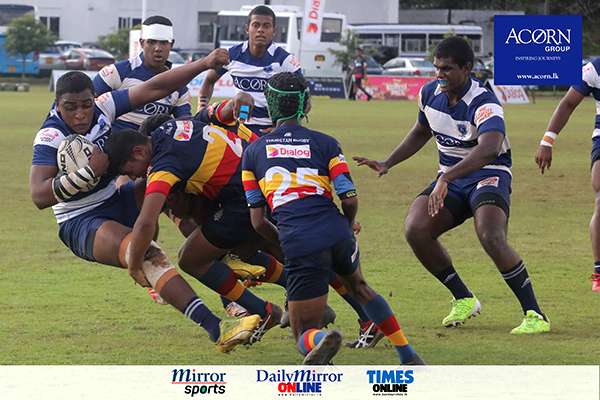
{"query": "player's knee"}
{"type": "Point", "coordinates": [415, 231]}
{"type": "Point", "coordinates": [492, 239]}
{"type": "Point", "coordinates": [157, 267]}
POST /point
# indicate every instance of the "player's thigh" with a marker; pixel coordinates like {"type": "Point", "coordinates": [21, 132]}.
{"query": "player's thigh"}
{"type": "Point", "coordinates": [197, 253]}
{"type": "Point", "coordinates": [491, 223]}
{"type": "Point", "coordinates": [306, 314]}
{"type": "Point", "coordinates": [418, 221]}
{"type": "Point", "coordinates": [490, 203]}
{"type": "Point", "coordinates": [107, 241]}
{"type": "Point", "coordinates": [346, 264]}
{"type": "Point", "coordinates": [596, 177]}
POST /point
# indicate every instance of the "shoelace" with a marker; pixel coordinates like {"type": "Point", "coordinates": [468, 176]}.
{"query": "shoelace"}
{"type": "Point", "coordinates": [260, 331]}
{"type": "Point", "coordinates": [364, 336]}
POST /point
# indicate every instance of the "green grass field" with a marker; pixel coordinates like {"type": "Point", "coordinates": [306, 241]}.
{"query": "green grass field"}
{"type": "Point", "coordinates": [57, 309]}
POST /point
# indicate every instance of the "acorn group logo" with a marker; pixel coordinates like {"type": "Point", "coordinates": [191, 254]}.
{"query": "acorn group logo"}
{"type": "Point", "coordinates": [537, 49]}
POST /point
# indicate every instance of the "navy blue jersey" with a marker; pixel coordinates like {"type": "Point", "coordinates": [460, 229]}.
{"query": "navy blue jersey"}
{"type": "Point", "coordinates": [456, 129]}
{"type": "Point", "coordinates": [198, 158]}
{"type": "Point", "coordinates": [132, 72]}
{"type": "Point", "coordinates": [294, 170]}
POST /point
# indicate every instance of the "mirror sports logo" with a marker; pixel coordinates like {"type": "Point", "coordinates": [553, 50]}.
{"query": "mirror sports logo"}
{"type": "Point", "coordinates": [390, 382]}
{"type": "Point", "coordinates": [537, 49]}
{"type": "Point", "coordinates": [299, 382]}
{"type": "Point", "coordinates": [199, 383]}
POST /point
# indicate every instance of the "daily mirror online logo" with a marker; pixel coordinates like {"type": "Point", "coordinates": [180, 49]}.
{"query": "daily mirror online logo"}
{"type": "Point", "coordinates": [537, 49]}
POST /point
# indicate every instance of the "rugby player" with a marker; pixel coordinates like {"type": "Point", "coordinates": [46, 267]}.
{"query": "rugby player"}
{"type": "Point", "coordinates": [474, 179]}
{"type": "Point", "coordinates": [292, 171]}
{"type": "Point", "coordinates": [156, 42]}
{"type": "Point", "coordinates": [201, 159]}
{"type": "Point", "coordinates": [252, 63]}
{"type": "Point", "coordinates": [590, 83]}
{"type": "Point", "coordinates": [96, 224]}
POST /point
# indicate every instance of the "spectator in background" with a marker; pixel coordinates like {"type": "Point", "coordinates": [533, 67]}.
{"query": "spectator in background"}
{"type": "Point", "coordinates": [359, 73]}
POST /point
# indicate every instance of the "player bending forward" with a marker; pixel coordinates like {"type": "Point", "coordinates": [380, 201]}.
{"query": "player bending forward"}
{"type": "Point", "coordinates": [292, 171]}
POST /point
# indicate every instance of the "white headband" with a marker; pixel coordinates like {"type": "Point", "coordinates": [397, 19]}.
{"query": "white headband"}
{"type": "Point", "coordinates": [157, 32]}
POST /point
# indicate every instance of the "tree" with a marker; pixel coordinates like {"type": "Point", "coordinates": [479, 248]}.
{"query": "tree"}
{"type": "Point", "coordinates": [26, 35]}
{"type": "Point", "coordinates": [117, 42]}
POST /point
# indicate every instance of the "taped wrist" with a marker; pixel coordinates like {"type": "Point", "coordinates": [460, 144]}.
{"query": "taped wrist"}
{"type": "Point", "coordinates": [549, 139]}
{"type": "Point", "coordinates": [68, 185]}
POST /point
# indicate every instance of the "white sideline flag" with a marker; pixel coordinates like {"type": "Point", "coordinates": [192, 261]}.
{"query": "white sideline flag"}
{"type": "Point", "coordinates": [312, 22]}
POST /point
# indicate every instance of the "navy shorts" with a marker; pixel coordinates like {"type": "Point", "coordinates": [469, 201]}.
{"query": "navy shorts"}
{"type": "Point", "coordinates": [595, 149]}
{"type": "Point", "coordinates": [229, 226]}
{"type": "Point", "coordinates": [78, 233]}
{"type": "Point", "coordinates": [483, 187]}
{"type": "Point", "coordinates": [308, 276]}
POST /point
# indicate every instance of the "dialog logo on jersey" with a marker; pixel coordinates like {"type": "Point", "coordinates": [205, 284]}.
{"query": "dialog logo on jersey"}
{"type": "Point", "coordinates": [298, 382]}
{"type": "Point", "coordinates": [199, 383]}
{"type": "Point", "coordinates": [390, 382]}
{"type": "Point", "coordinates": [288, 151]}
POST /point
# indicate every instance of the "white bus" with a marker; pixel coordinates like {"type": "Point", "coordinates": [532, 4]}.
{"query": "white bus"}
{"type": "Point", "coordinates": [316, 60]}
{"type": "Point", "coordinates": [395, 40]}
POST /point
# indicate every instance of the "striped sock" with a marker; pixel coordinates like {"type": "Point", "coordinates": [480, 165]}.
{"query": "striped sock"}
{"type": "Point", "coordinates": [450, 278]}
{"type": "Point", "coordinates": [309, 339]}
{"type": "Point", "coordinates": [597, 267]}
{"type": "Point", "coordinates": [380, 312]}
{"type": "Point", "coordinates": [222, 280]}
{"type": "Point", "coordinates": [518, 280]}
{"type": "Point", "coordinates": [200, 314]}
{"type": "Point", "coordinates": [275, 272]}
{"type": "Point", "coordinates": [343, 292]}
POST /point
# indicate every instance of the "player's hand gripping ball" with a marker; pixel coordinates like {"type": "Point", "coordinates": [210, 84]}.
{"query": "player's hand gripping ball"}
{"type": "Point", "coordinates": [73, 153]}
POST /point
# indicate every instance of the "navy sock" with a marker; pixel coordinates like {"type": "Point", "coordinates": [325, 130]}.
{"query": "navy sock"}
{"type": "Point", "coordinates": [597, 267]}
{"type": "Point", "coordinates": [450, 278]}
{"type": "Point", "coordinates": [518, 281]}
{"type": "Point", "coordinates": [356, 306]}
{"type": "Point", "coordinates": [200, 314]}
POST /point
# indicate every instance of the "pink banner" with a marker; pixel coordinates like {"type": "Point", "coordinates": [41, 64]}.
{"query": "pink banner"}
{"type": "Point", "coordinates": [384, 87]}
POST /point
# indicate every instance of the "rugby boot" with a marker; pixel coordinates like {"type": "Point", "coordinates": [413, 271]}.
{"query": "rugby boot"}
{"type": "Point", "coordinates": [243, 270]}
{"type": "Point", "coordinates": [462, 309]}
{"type": "Point", "coordinates": [533, 323]}
{"type": "Point", "coordinates": [234, 310]}
{"type": "Point", "coordinates": [272, 318]}
{"type": "Point", "coordinates": [156, 297]}
{"type": "Point", "coordinates": [417, 360]}
{"type": "Point", "coordinates": [368, 335]}
{"type": "Point", "coordinates": [325, 350]}
{"type": "Point", "coordinates": [595, 282]}
{"type": "Point", "coordinates": [239, 333]}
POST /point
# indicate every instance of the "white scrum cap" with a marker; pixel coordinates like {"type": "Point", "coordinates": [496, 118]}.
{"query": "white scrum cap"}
{"type": "Point", "coordinates": [157, 32]}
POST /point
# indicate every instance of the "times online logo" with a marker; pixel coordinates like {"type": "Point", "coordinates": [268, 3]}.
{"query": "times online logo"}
{"type": "Point", "coordinates": [390, 382]}
{"type": "Point", "coordinates": [199, 383]}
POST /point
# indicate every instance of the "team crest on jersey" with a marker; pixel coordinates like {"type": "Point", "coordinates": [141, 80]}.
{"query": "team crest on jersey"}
{"type": "Point", "coordinates": [462, 129]}
{"type": "Point", "coordinates": [183, 130]}
{"type": "Point", "coordinates": [268, 68]}
{"type": "Point", "coordinates": [491, 181]}
{"type": "Point", "coordinates": [288, 151]}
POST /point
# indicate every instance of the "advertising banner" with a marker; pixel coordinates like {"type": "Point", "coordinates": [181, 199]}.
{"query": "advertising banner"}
{"type": "Point", "coordinates": [394, 87]}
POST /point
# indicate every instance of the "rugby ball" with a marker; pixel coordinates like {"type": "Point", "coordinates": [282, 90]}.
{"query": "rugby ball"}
{"type": "Point", "coordinates": [74, 153]}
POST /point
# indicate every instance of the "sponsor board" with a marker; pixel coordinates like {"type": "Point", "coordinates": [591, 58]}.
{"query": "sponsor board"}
{"type": "Point", "coordinates": [387, 87]}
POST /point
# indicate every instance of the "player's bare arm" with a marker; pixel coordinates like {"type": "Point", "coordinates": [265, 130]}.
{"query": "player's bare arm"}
{"type": "Point", "coordinates": [487, 149]}
{"type": "Point", "coordinates": [41, 179]}
{"type": "Point", "coordinates": [418, 136]}
{"type": "Point", "coordinates": [560, 117]}
{"type": "Point", "coordinates": [143, 234]}
{"type": "Point", "coordinates": [206, 90]}
{"type": "Point", "coordinates": [164, 84]}
{"type": "Point", "coordinates": [262, 225]}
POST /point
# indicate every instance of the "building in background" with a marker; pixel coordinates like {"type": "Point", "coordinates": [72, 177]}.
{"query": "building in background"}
{"type": "Point", "coordinates": [193, 20]}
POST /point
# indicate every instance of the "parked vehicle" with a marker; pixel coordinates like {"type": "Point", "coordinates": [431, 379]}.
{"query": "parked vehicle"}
{"type": "Point", "coordinates": [51, 59]}
{"type": "Point", "coordinates": [87, 59]}
{"type": "Point", "coordinates": [409, 66]}
{"type": "Point", "coordinates": [190, 55]}
{"type": "Point", "coordinates": [175, 58]}
{"type": "Point", "coordinates": [373, 67]}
